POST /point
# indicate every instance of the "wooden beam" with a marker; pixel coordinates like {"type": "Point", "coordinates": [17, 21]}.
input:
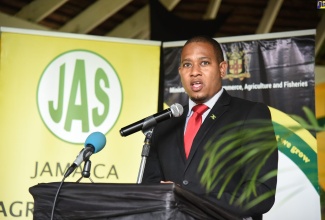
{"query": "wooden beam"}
{"type": "Point", "coordinates": [320, 35]}
{"type": "Point", "coordinates": [169, 4]}
{"type": "Point", "coordinates": [11, 21]}
{"type": "Point", "coordinates": [93, 16]}
{"type": "Point", "coordinates": [138, 26]}
{"type": "Point", "coordinates": [39, 9]}
{"type": "Point", "coordinates": [132, 27]}
{"type": "Point", "coordinates": [269, 16]}
{"type": "Point", "coordinates": [212, 10]}
{"type": "Point", "coordinates": [144, 35]}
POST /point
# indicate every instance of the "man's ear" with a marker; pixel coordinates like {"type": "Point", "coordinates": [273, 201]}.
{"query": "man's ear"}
{"type": "Point", "coordinates": [223, 68]}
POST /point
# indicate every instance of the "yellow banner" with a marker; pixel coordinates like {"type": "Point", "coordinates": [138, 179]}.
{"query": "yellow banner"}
{"type": "Point", "coordinates": [55, 90]}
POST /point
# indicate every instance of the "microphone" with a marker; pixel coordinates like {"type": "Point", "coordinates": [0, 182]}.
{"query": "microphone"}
{"type": "Point", "coordinates": [175, 110]}
{"type": "Point", "coordinates": [94, 143]}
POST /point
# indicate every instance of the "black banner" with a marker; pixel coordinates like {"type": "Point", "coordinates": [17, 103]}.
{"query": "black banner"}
{"type": "Point", "coordinates": [278, 72]}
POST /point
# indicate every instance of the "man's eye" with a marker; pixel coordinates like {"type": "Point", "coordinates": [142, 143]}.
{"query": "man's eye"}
{"type": "Point", "coordinates": [204, 63]}
{"type": "Point", "coordinates": [186, 65]}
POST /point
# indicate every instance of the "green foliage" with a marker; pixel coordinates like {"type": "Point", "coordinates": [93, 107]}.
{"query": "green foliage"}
{"type": "Point", "coordinates": [223, 159]}
{"type": "Point", "coordinates": [313, 124]}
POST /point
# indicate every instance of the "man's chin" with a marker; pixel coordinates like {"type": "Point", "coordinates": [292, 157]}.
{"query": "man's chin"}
{"type": "Point", "coordinates": [198, 99]}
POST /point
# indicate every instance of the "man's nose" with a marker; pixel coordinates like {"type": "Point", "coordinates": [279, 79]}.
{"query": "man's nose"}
{"type": "Point", "coordinates": [196, 70]}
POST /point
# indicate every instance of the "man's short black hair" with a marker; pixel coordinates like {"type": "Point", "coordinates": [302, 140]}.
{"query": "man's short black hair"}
{"type": "Point", "coordinates": [215, 44]}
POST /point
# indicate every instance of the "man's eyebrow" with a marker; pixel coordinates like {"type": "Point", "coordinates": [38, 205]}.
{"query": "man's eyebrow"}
{"type": "Point", "coordinates": [186, 59]}
{"type": "Point", "coordinates": [205, 58]}
{"type": "Point", "coordinates": [200, 58]}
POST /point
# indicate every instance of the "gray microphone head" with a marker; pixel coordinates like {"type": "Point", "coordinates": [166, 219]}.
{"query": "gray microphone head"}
{"type": "Point", "coordinates": [177, 109]}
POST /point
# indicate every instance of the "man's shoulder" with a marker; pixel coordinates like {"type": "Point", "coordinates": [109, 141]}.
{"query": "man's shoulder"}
{"type": "Point", "coordinates": [246, 102]}
{"type": "Point", "coordinates": [241, 104]}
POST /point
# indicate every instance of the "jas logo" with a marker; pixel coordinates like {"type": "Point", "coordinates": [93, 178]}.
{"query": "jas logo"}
{"type": "Point", "coordinates": [79, 92]}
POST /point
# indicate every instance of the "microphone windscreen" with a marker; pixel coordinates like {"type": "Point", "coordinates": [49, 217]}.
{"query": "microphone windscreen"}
{"type": "Point", "coordinates": [97, 140]}
{"type": "Point", "coordinates": [177, 109]}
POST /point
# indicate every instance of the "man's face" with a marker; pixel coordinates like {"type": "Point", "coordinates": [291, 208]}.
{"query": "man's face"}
{"type": "Point", "coordinates": [200, 72]}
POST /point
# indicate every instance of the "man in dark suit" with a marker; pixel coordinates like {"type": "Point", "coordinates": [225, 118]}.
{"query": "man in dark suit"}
{"type": "Point", "coordinates": [202, 68]}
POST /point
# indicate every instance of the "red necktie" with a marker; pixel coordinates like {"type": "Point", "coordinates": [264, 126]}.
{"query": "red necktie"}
{"type": "Point", "coordinates": [193, 126]}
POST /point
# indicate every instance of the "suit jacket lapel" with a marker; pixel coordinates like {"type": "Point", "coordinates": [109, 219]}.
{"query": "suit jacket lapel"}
{"type": "Point", "coordinates": [180, 133]}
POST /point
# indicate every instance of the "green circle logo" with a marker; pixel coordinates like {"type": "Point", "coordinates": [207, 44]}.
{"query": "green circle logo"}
{"type": "Point", "coordinates": [79, 92]}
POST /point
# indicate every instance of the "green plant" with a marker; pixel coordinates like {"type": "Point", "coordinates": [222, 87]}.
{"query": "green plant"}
{"type": "Point", "coordinates": [221, 161]}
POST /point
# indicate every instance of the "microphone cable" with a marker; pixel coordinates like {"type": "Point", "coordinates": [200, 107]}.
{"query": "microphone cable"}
{"type": "Point", "coordinates": [55, 198]}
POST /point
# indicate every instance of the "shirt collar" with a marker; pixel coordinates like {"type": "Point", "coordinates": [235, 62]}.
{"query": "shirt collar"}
{"type": "Point", "coordinates": [210, 103]}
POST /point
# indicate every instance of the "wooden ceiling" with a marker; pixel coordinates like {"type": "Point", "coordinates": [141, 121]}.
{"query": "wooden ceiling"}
{"type": "Point", "coordinates": [130, 18]}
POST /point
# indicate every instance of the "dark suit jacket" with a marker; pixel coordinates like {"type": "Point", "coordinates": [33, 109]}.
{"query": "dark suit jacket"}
{"type": "Point", "coordinates": [167, 162]}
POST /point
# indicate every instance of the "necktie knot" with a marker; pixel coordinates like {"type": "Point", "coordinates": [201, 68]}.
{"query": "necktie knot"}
{"type": "Point", "coordinates": [200, 109]}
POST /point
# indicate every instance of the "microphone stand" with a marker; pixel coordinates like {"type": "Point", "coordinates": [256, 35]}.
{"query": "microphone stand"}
{"type": "Point", "coordinates": [147, 129]}
{"type": "Point", "coordinates": [86, 171]}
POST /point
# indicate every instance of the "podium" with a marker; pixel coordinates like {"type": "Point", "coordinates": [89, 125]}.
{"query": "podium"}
{"type": "Point", "coordinates": [122, 202]}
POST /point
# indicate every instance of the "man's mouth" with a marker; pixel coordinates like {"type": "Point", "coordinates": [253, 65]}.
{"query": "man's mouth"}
{"type": "Point", "coordinates": [196, 86]}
